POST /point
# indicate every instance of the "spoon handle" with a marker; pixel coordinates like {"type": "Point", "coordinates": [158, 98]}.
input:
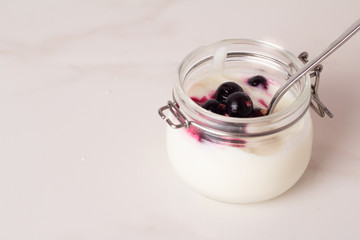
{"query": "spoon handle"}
{"type": "Point", "coordinates": [340, 40]}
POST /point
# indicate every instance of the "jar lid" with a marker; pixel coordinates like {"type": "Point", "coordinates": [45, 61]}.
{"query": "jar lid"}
{"type": "Point", "coordinates": [253, 56]}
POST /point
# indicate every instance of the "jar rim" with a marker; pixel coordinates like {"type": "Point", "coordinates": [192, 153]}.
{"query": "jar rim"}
{"type": "Point", "coordinates": [298, 103]}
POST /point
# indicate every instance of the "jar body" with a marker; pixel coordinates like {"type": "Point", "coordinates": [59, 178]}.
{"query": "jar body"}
{"type": "Point", "coordinates": [241, 160]}
{"type": "Point", "coordinates": [242, 174]}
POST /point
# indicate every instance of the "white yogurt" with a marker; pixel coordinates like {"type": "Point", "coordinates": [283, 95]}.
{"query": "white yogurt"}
{"type": "Point", "coordinates": [260, 169]}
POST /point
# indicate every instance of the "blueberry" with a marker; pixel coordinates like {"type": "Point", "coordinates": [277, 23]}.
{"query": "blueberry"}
{"type": "Point", "coordinates": [258, 80]}
{"type": "Point", "coordinates": [225, 89]}
{"type": "Point", "coordinates": [214, 106]}
{"type": "Point", "coordinates": [239, 104]}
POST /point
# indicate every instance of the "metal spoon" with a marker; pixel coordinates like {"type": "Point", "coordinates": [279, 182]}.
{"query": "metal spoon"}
{"type": "Point", "coordinates": [340, 40]}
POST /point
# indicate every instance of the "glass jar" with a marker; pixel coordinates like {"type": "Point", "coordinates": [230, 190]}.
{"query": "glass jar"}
{"type": "Point", "coordinates": [239, 160]}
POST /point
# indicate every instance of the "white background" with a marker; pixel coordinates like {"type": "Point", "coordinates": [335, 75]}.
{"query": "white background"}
{"type": "Point", "coordinates": [82, 148]}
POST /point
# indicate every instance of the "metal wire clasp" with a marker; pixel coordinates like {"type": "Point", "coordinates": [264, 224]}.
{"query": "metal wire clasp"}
{"type": "Point", "coordinates": [315, 102]}
{"type": "Point", "coordinates": [174, 109]}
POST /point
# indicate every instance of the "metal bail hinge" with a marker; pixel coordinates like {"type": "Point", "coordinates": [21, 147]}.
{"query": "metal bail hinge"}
{"type": "Point", "coordinates": [183, 122]}
{"type": "Point", "coordinates": [315, 102]}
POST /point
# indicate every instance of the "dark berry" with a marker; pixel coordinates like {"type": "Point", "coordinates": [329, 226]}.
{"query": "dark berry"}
{"type": "Point", "coordinates": [214, 106]}
{"type": "Point", "coordinates": [225, 89]}
{"type": "Point", "coordinates": [258, 80]}
{"type": "Point", "coordinates": [239, 104]}
{"type": "Point", "coordinates": [258, 112]}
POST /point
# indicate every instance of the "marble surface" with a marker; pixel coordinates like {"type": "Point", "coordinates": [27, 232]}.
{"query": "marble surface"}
{"type": "Point", "coordinates": [83, 148]}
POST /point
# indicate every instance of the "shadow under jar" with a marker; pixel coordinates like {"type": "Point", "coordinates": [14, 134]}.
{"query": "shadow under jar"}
{"type": "Point", "coordinates": [239, 160]}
